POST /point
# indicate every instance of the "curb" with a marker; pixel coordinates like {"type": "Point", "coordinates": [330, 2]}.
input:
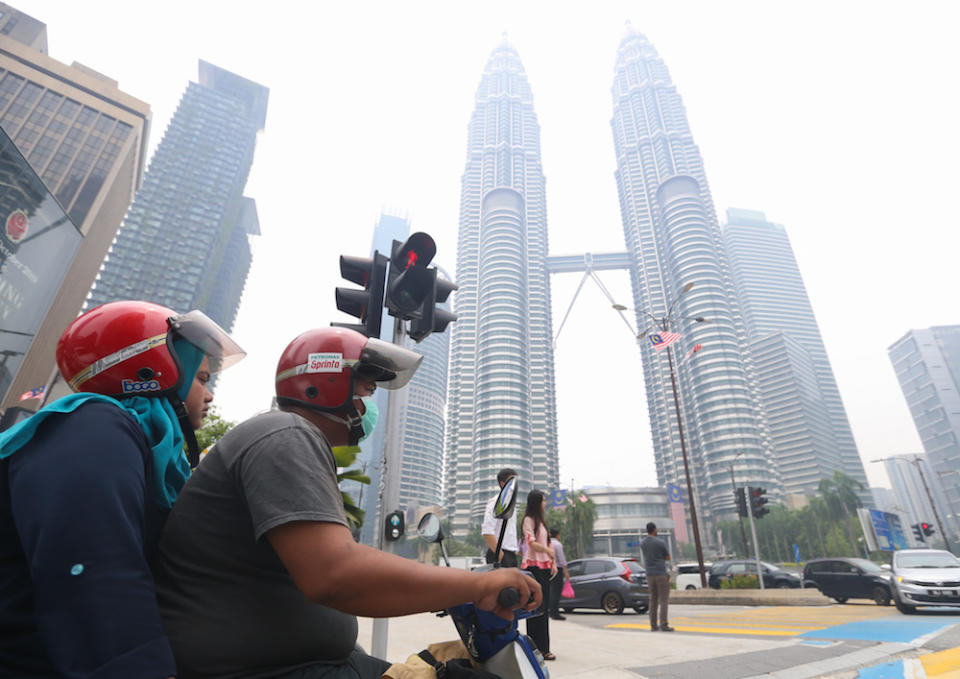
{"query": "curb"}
{"type": "Point", "coordinates": [750, 597]}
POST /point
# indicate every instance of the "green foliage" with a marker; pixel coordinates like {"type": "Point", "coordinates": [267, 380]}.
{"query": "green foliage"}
{"type": "Point", "coordinates": [472, 544]}
{"type": "Point", "coordinates": [214, 428]}
{"type": "Point", "coordinates": [578, 528]}
{"type": "Point", "coordinates": [345, 457]}
{"type": "Point", "coordinates": [827, 527]}
{"type": "Point", "coordinates": [741, 582]}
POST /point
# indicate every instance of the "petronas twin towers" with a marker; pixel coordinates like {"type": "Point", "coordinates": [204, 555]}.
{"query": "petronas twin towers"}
{"type": "Point", "coordinates": [502, 408]}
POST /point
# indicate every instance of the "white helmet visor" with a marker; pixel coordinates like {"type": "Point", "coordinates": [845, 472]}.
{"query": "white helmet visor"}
{"type": "Point", "coordinates": [196, 328]}
{"type": "Point", "coordinates": [391, 366]}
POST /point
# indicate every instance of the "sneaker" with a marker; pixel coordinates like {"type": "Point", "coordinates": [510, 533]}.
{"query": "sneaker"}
{"type": "Point", "coordinates": [654, 628]}
{"type": "Point", "coordinates": [558, 617]}
{"type": "Point", "coordinates": [666, 628]}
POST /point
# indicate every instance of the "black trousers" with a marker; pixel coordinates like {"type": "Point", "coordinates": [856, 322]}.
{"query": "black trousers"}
{"type": "Point", "coordinates": [509, 559]}
{"type": "Point", "coordinates": [538, 627]}
{"type": "Point", "coordinates": [556, 586]}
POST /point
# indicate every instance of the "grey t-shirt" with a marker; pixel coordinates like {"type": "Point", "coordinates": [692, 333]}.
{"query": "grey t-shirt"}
{"type": "Point", "coordinates": [655, 555]}
{"type": "Point", "coordinates": [229, 606]}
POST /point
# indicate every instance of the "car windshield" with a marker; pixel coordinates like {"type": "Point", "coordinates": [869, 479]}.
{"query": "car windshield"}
{"type": "Point", "coordinates": [633, 566]}
{"type": "Point", "coordinates": [927, 560]}
{"type": "Point", "coordinates": [866, 566]}
{"type": "Point", "coordinates": [770, 567]}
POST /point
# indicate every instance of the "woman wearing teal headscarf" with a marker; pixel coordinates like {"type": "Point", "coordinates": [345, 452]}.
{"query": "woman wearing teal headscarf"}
{"type": "Point", "coordinates": [86, 484]}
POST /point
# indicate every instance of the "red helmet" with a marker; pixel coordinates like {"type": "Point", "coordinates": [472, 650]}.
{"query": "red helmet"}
{"type": "Point", "coordinates": [126, 349]}
{"type": "Point", "coordinates": [319, 368]}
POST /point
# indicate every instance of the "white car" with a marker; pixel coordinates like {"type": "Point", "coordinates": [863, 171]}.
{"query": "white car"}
{"type": "Point", "coordinates": [688, 575]}
{"type": "Point", "coordinates": [925, 577]}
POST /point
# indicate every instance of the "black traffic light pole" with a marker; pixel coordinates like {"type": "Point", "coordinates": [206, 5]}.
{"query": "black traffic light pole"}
{"type": "Point", "coordinates": [933, 506]}
{"type": "Point", "coordinates": [736, 497]}
{"type": "Point", "coordinates": [753, 531]}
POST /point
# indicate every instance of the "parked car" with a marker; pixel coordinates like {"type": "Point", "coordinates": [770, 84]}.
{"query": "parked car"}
{"type": "Point", "coordinates": [842, 579]}
{"type": "Point", "coordinates": [688, 575]}
{"type": "Point", "coordinates": [773, 577]}
{"type": "Point", "coordinates": [608, 583]}
{"type": "Point", "coordinates": [924, 577]}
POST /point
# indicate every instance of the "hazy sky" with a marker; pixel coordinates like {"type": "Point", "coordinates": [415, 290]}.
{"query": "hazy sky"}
{"type": "Point", "coordinates": [839, 120]}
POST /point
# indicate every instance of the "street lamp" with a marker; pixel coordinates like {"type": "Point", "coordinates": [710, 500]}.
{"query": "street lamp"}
{"type": "Point", "coordinates": [936, 515]}
{"type": "Point", "coordinates": [664, 325]}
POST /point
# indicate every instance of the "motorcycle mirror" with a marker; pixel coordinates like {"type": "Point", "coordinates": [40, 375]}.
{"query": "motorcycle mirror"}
{"type": "Point", "coordinates": [429, 529]}
{"type": "Point", "coordinates": [507, 499]}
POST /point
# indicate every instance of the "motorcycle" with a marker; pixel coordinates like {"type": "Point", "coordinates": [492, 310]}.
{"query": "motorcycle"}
{"type": "Point", "coordinates": [494, 643]}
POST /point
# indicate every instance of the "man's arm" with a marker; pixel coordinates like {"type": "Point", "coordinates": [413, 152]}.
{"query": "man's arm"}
{"type": "Point", "coordinates": [333, 570]}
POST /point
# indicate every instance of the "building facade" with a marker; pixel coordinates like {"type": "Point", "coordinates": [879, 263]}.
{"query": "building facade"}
{"type": "Point", "coordinates": [622, 517]}
{"type": "Point", "coordinates": [914, 485]}
{"type": "Point", "coordinates": [927, 364]}
{"type": "Point", "coordinates": [773, 299]}
{"type": "Point", "coordinates": [185, 240]}
{"type": "Point", "coordinates": [673, 240]}
{"type": "Point", "coordinates": [86, 140]}
{"type": "Point", "coordinates": [502, 406]}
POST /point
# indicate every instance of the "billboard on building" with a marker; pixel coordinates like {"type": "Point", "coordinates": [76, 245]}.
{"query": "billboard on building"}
{"type": "Point", "coordinates": [37, 245]}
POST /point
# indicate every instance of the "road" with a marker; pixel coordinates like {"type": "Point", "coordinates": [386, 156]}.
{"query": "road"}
{"type": "Point", "coordinates": [859, 640]}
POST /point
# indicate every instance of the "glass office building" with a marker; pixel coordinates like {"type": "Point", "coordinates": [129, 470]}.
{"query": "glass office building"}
{"type": "Point", "coordinates": [185, 240]}
{"type": "Point", "coordinates": [502, 405]}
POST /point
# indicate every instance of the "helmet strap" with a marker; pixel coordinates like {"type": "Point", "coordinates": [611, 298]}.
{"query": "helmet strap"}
{"type": "Point", "coordinates": [193, 449]}
{"type": "Point", "coordinates": [353, 422]}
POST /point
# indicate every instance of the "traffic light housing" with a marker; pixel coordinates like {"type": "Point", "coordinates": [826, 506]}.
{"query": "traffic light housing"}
{"type": "Point", "coordinates": [410, 281]}
{"type": "Point", "coordinates": [433, 319]}
{"type": "Point", "coordinates": [393, 526]}
{"type": "Point", "coordinates": [741, 496]}
{"type": "Point", "coordinates": [366, 304]}
{"type": "Point", "coordinates": [757, 502]}
{"type": "Point", "coordinates": [918, 532]}
{"type": "Point", "coordinates": [927, 529]}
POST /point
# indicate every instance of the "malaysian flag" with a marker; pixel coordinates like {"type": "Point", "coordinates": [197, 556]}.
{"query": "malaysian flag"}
{"type": "Point", "coordinates": [36, 392]}
{"type": "Point", "coordinates": [696, 348]}
{"type": "Point", "coordinates": [663, 339]}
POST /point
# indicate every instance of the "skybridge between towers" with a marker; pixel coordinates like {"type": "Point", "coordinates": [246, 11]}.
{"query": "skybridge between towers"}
{"type": "Point", "coordinates": [599, 261]}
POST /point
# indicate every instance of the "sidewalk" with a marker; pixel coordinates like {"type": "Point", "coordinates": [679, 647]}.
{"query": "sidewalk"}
{"type": "Point", "coordinates": [582, 652]}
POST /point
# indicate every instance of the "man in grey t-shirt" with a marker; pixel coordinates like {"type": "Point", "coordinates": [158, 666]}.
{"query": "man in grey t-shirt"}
{"type": "Point", "coordinates": [655, 557]}
{"type": "Point", "coordinates": [258, 574]}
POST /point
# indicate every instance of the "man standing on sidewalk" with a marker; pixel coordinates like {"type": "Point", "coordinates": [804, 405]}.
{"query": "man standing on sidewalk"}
{"type": "Point", "coordinates": [491, 529]}
{"type": "Point", "coordinates": [655, 557]}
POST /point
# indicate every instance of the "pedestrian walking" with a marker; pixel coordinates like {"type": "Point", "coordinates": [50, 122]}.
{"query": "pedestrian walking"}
{"type": "Point", "coordinates": [655, 557]}
{"type": "Point", "coordinates": [539, 562]}
{"type": "Point", "coordinates": [491, 529]}
{"type": "Point", "coordinates": [562, 575]}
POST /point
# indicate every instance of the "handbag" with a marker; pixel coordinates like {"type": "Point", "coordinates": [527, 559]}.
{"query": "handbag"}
{"type": "Point", "coordinates": [567, 591]}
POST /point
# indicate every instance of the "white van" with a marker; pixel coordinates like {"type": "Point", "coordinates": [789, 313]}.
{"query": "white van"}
{"type": "Point", "coordinates": [688, 575]}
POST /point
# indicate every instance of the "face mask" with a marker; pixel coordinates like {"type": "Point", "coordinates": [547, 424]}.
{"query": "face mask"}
{"type": "Point", "coordinates": [369, 419]}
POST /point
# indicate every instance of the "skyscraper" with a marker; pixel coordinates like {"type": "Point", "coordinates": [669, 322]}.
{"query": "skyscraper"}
{"type": "Point", "coordinates": [773, 299]}
{"type": "Point", "coordinates": [914, 484]}
{"type": "Point", "coordinates": [184, 242]}
{"type": "Point", "coordinates": [673, 240]}
{"type": "Point", "coordinates": [85, 138]}
{"type": "Point", "coordinates": [927, 363]}
{"type": "Point", "coordinates": [502, 406]}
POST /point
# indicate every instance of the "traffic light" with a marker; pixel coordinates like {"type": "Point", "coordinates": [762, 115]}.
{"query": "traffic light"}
{"type": "Point", "coordinates": [757, 502]}
{"type": "Point", "coordinates": [366, 304]}
{"type": "Point", "coordinates": [433, 319]}
{"type": "Point", "coordinates": [918, 532]}
{"type": "Point", "coordinates": [741, 496]}
{"type": "Point", "coordinates": [393, 530]}
{"type": "Point", "coordinates": [927, 529]}
{"type": "Point", "coordinates": [410, 281]}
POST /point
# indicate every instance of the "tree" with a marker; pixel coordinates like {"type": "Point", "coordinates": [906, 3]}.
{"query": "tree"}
{"type": "Point", "coordinates": [580, 517]}
{"type": "Point", "coordinates": [214, 428]}
{"type": "Point", "coordinates": [840, 493]}
{"type": "Point", "coordinates": [345, 457]}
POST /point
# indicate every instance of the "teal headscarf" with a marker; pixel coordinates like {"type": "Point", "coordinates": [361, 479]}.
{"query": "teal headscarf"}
{"type": "Point", "coordinates": [154, 415]}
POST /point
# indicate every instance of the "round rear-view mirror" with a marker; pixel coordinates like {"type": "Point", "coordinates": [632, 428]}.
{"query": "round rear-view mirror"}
{"type": "Point", "coordinates": [507, 499]}
{"type": "Point", "coordinates": [429, 528]}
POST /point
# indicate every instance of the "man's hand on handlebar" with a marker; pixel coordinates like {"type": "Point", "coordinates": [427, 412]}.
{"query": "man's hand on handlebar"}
{"type": "Point", "coordinates": [526, 592]}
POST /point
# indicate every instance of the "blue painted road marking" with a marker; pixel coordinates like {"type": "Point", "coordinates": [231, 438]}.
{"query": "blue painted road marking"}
{"type": "Point", "coordinates": [893, 629]}
{"type": "Point", "coordinates": [890, 670]}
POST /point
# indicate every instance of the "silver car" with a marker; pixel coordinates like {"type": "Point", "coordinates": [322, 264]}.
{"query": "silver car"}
{"type": "Point", "coordinates": [925, 577]}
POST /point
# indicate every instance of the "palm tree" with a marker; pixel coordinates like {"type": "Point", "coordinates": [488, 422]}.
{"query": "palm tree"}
{"type": "Point", "coordinates": [840, 494]}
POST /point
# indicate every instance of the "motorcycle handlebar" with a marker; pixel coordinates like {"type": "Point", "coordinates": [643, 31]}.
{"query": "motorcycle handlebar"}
{"type": "Point", "coordinates": [508, 597]}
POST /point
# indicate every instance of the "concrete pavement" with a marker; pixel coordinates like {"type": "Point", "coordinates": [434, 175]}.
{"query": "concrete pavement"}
{"type": "Point", "coordinates": [728, 643]}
